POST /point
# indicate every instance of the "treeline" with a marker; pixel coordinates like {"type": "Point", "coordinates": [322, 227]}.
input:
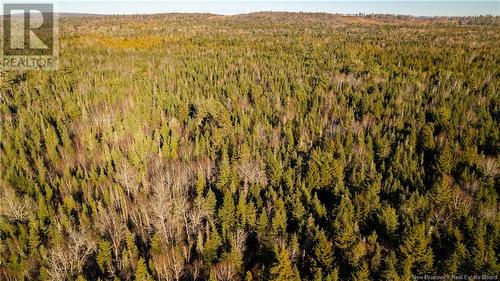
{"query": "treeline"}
{"type": "Point", "coordinates": [257, 147]}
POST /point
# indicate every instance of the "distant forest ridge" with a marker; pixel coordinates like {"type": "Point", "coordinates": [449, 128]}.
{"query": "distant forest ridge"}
{"type": "Point", "coordinates": [494, 19]}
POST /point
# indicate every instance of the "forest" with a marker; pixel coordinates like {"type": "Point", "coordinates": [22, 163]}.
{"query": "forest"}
{"type": "Point", "coordinates": [265, 146]}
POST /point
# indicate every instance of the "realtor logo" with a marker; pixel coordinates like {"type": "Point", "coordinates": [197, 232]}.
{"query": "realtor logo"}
{"type": "Point", "coordinates": [30, 40]}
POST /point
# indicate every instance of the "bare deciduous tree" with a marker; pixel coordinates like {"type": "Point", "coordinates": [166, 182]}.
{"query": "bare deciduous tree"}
{"type": "Point", "coordinates": [239, 241]}
{"type": "Point", "coordinates": [490, 166]}
{"type": "Point", "coordinates": [196, 269]}
{"type": "Point", "coordinates": [112, 224]}
{"type": "Point", "coordinates": [68, 259]}
{"type": "Point", "coordinates": [139, 214]}
{"type": "Point", "coordinates": [178, 262]}
{"type": "Point", "coordinates": [161, 264]}
{"type": "Point", "coordinates": [162, 215]}
{"type": "Point", "coordinates": [171, 211]}
{"type": "Point", "coordinates": [225, 270]}
{"type": "Point", "coordinates": [252, 172]}
{"type": "Point", "coordinates": [170, 263]}
{"type": "Point", "coordinates": [127, 176]}
{"type": "Point", "coordinates": [13, 207]}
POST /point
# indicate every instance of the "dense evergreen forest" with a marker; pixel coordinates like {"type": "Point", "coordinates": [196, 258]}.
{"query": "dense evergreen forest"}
{"type": "Point", "coordinates": [268, 146]}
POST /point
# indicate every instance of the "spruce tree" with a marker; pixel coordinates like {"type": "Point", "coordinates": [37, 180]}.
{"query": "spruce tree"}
{"type": "Point", "coordinates": [416, 250]}
{"type": "Point", "coordinates": [141, 271]}
{"type": "Point", "coordinates": [283, 269]}
{"type": "Point", "coordinates": [345, 226]}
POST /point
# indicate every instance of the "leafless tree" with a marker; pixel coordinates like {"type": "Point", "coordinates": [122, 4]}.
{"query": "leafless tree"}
{"type": "Point", "coordinates": [170, 263]}
{"type": "Point", "coordinates": [251, 171]}
{"type": "Point", "coordinates": [225, 270]}
{"type": "Point", "coordinates": [472, 186]}
{"type": "Point", "coordinates": [119, 200]}
{"type": "Point", "coordinates": [178, 262]}
{"type": "Point", "coordinates": [239, 240]}
{"type": "Point", "coordinates": [67, 259]}
{"type": "Point", "coordinates": [139, 215]}
{"type": "Point", "coordinates": [490, 166]}
{"type": "Point", "coordinates": [196, 268]}
{"type": "Point", "coordinates": [111, 224]}
{"type": "Point", "coordinates": [196, 216]}
{"type": "Point", "coordinates": [163, 216]}
{"type": "Point", "coordinates": [203, 167]}
{"type": "Point", "coordinates": [182, 207]}
{"type": "Point", "coordinates": [13, 207]}
{"type": "Point", "coordinates": [161, 264]}
{"type": "Point", "coordinates": [171, 211]}
{"type": "Point", "coordinates": [461, 201]}
{"type": "Point", "coordinates": [442, 215]}
{"type": "Point", "coordinates": [127, 176]}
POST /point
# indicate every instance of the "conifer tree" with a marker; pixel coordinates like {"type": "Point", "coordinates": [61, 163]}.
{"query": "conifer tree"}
{"type": "Point", "coordinates": [445, 160]}
{"type": "Point", "coordinates": [283, 269]}
{"type": "Point", "coordinates": [289, 152]}
{"type": "Point", "coordinates": [389, 273]}
{"type": "Point", "coordinates": [227, 214]}
{"type": "Point", "coordinates": [324, 252]}
{"type": "Point", "coordinates": [141, 272]}
{"type": "Point", "coordinates": [224, 177]}
{"type": "Point", "coordinates": [279, 219]}
{"type": "Point", "coordinates": [388, 219]}
{"type": "Point", "coordinates": [345, 226]}
{"type": "Point", "coordinates": [361, 273]}
{"type": "Point", "coordinates": [416, 250]}
{"type": "Point", "coordinates": [104, 257]}
{"type": "Point", "coordinates": [442, 192]}
{"type": "Point", "coordinates": [34, 238]}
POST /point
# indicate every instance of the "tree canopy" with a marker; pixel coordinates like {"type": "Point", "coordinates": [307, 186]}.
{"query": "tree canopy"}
{"type": "Point", "coordinates": [268, 146]}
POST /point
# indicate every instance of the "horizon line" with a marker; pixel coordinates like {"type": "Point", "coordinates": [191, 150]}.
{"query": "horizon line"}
{"type": "Point", "coordinates": [360, 14]}
{"type": "Point", "coordinates": [418, 8]}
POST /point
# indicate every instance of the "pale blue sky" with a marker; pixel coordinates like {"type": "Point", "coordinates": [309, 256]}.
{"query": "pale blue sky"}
{"type": "Point", "coordinates": [228, 7]}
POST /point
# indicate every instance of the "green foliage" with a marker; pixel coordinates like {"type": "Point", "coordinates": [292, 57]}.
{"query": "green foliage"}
{"type": "Point", "coordinates": [345, 226]}
{"type": "Point", "coordinates": [224, 177]}
{"type": "Point", "coordinates": [141, 272]}
{"type": "Point", "coordinates": [362, 273]}
{"type": "Point", "coordinates": [34, 238]}
{"type": "Point", "coordinates": [104, 257]}
{"type": "Point", "coordinates": [445, 159]}
{"type": "Point", "coordinates": [227, 214]}
{"type": "Point", "coordinates": [389, 272]}
{"type": "Point", "coordinates": [212, 245]}
{"type": "Point", "coordinates": [324, 251]}
{"type": "Point", "coordinates": [416, 251]}
{"type": "Point", "coordinates": [388, 219]}
{"type": "Point", "coordinates": [262, 146]}
{"type": "Point", "coordinates": [283, 269]}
